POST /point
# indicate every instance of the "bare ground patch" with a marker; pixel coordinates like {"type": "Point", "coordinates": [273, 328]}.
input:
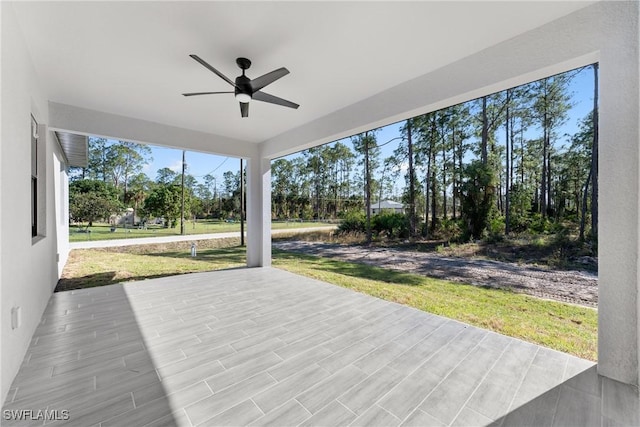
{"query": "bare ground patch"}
{"type": "Point", "coordinates": [573, 286]}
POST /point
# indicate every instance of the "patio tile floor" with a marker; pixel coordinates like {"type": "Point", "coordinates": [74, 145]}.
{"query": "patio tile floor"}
{"type": "Point", "coordinates": [267, 347]}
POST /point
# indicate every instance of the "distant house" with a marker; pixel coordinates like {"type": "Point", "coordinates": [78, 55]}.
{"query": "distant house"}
{"type": "Point", "coordinates": [127, 218]}
{"type": "Point", "coordinates": [387, 206]}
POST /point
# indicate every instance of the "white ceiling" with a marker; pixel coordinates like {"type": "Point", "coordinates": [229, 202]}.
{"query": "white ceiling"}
{"type": "Point", "coordinates": [131, 58]}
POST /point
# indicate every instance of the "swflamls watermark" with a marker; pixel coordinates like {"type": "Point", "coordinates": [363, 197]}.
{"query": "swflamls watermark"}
{"type": "Point", "coordinates": [35, 415]}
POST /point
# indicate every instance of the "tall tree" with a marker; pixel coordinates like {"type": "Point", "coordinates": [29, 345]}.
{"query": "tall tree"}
{"type": "Point", "coordinates": [166, 176]}
{"type": "Point", "coordinates": [550, 106]}
{"type": "Point", "coordinates": [165, 201]}
{"type": "Point", "coordinates": [99, 166]}
{"type": "Point", "coordinates": [408, 132]}
{"type": "Point", "coordinates": [365, 144]}
{"type": "Point", "coordinates": [139, 188]}
{"type": "Point", "coordinates": [91, 200]}
{"type": "Point", "coordinates": [507, 143]}
{"type": "Point", "coordinates": [125, 160]}
{"type": "Point", "coordinates": [594, 158]}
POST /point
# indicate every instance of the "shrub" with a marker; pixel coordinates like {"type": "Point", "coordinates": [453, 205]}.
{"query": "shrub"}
{"type": "Point", "coordinates": [353, 222]}
{"type": "Point", "coordinates": [477, 191]}
{"type": "Point", "coordinates": [495, 230]}
{"type": "Point", "coordinates": [539, 224]}
{"type": "Point", "coordinates": [391, 224]}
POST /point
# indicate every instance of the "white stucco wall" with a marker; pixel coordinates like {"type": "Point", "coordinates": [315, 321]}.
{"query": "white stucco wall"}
{"type": "Point", "coordinates": [28, 268]}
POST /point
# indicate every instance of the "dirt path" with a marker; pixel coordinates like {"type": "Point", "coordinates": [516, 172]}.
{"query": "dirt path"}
{"type": "Point", "coordinates": [578, 287]}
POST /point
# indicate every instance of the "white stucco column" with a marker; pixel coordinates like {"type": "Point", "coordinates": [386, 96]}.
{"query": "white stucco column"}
{"type": "Point", "coordinates": [619, 220]}
{"type": "Point", "coordinates": [619, 200]}
{"type": "Point", "coordinates": [258, 212]}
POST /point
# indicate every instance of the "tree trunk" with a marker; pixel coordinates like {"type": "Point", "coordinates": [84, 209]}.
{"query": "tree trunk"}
{"type": "Point", "coordinates": [427, 182]}
{"type": "Point", "coordinates": [367, 190]}
{"type": "Point", "coordinates": [444, 178]}
{"type": "Point", "coordinates": [434, 203]}
{"type": "Point", "coordinates": [182, 204]}
{"type": "Point", "coordinates": [507, 216]}
{"type": "Point", "coordinates": [454, 183]}
{"type": "Point", "coordinates": [485, 132]}
{"type": "Point", "coordinates": [412, 192]}
{"type": "Point", "coordinates": [543, 183]}
{"type": "Point", "coordinates": [521, 157]}
{"type": "Point", "coordinates": [549, 177]}
{"type": "Point", "coordinates": [594, 160]}
{"type": "Point", "coordinates": [583, 212]}
{"type": "Point", "coordinates": [241, 203]}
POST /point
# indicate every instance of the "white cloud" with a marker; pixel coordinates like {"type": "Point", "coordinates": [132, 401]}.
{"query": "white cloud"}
{"type": "Point", "coordinates": [176, 166]}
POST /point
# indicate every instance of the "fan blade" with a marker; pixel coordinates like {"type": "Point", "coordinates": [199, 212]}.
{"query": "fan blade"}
{"type": "Point", "coordinates": [265, 97]}
{"type": "Point", "coordinates": [244, 109]}
{"type": "Point", "coordinates": [260, 82]}
{"type": "Point", "coordinates": [203, 93]}
{"type": "Point", "coordinates": [206, 65]}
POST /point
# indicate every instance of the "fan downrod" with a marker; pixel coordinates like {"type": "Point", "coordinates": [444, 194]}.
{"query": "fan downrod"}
{"type": "Point", "coordinates": [243, 63]}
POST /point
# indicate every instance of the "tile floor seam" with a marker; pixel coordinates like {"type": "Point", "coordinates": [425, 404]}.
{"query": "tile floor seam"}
{"type": "Point", "coordinates": [335, 398]}
{"type": "Point", "coordinates": [274, 378]}
{"type": "Point", "coordinates": [355, 342]}
{"type": "Point", "coordinates": [425, 338]}
{"type": "Point", "coordinates": [412, 371]}
{"type": "Point", "coordinates": [209, 387]}
{"type": "Point", "coordinates": [345, 407]}
{"type": "Point", "coordinates": [260, 409]}
{"type": "Point", "coordinates": [382, 409]}
{"type": "Point", "coordinates": [366, 378]}
{"type": "Point", "coordinates": [555, 406]}
{"type": "Point", "coordinates": [416, 409]}
{"type": "Point", "coordinates": [445, 377]}
{"type": "Point", "coordinates": [486, 374]}
{"type": "Point", "coordinates": [524, 375]}
{"type": "Point", "coordinates": [564, 370]}
{"type": "Point", "coordinates": [188, 417]}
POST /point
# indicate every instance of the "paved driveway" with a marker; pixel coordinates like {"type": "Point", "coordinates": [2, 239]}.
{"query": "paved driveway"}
{"type": "Point", "coordinates": [188, 238]}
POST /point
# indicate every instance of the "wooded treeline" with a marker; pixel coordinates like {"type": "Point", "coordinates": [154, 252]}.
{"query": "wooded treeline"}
{"type": "Point", "coordinates": [494, 165]}
{"type": "Point", "coordinates": [114, 180]}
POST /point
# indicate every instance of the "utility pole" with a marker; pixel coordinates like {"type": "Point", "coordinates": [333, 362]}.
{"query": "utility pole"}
{"type": "Point", "coordinates": [182, 207]}
{"type": "Point", "coordinates": [241, 204]}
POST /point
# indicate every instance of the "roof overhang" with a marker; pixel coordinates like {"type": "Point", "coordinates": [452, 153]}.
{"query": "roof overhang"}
{"type": "Point", "coordinates": [354, 65]}
{"type": "Point", "coordinates": [74, 147]}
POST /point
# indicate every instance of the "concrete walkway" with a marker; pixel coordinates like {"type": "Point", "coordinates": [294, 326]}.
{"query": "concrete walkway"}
{"type": "Point", "coordinates": [188, 238]}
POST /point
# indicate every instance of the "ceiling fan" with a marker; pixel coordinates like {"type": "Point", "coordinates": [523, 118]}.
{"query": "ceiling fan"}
{"type": "Point", "coordinates": [246, 89]}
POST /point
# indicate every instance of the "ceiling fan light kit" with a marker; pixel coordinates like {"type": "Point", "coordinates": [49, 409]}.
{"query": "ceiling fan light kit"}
{"type": "Point", "coordinates": [246, 89]}
{"type": "Point", "coordinates": [243, 97]}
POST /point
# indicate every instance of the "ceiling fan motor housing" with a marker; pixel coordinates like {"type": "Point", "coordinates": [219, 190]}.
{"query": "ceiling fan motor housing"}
{"type": "Point", "coordinates": [243, 85]}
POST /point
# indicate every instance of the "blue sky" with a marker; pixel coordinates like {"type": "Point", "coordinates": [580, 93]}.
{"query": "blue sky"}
{"type": "Point", "coordinates": [200, 164]}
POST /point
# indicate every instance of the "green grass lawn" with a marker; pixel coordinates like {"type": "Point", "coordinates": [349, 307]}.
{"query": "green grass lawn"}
{"type": "Point", "coordinates": [103, 231]}
{"type": "Point", "coordinates": [564, 327]}
{"type": "Point", "coordinates": [568, 328]}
